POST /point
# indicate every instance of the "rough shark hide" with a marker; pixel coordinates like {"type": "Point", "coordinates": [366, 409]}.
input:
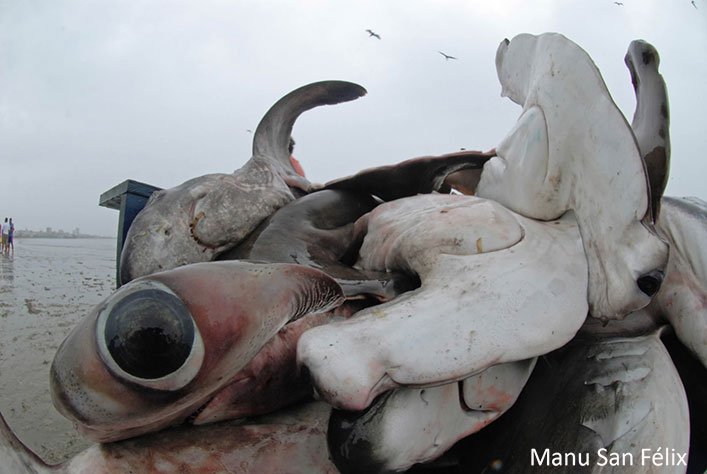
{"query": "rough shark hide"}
{"type": "Point", "coordinates": [572, 149]}
{"type": "Point", "coordinates": [199, 219]}
{"type": "Point", "coordinates": [160, 347]}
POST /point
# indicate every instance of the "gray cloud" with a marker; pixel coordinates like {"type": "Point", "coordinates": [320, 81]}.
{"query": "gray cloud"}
{"type": "Point", "coordinates": [92, 93]}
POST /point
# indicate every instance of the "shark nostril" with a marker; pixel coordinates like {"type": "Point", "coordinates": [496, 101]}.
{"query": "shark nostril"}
{"type": "Point", "coordinates": [650, 282]}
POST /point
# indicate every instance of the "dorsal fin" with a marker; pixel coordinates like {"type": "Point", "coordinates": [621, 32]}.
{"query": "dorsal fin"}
{"type": "Point", "coordinates": [651, 120]}
{"type": "Point", "coordinates": [415, 176]}
{"type": "Point", "coordinates": [272, 137]}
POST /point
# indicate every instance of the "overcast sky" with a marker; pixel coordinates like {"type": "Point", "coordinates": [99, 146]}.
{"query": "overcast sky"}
{"type": "Point", "coordinates": [96, 92]}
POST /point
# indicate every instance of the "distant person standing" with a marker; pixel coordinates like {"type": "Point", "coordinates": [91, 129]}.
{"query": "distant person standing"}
{"type": "Point", "coordinates": [5, 229]}
{"type": "Point", "coordinates": [293, 161]}
{"type": "Point", "coordinates": [11, 237]}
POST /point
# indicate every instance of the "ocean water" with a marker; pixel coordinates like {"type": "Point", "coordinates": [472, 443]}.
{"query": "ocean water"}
{"type": "Point", "coordinates": [46, 287]}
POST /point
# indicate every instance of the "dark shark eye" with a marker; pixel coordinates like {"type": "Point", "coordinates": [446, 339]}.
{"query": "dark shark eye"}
{"type": "Point", "coordinates": [147, 336]}
{"type": "Point", "coordinates": [149, 333]}
{"type": "Point", "coordinates": [650, 283]}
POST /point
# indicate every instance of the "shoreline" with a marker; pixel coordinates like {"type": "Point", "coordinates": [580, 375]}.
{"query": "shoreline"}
{"type": "Point", "coordinates": [46, 287]}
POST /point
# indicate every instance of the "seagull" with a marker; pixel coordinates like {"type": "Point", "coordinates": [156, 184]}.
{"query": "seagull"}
{"type": "Point", "coordinates": [446, 56]}
{"type": "Point", "coordinates": [373, 33]}
{"type": "Point", "coordinates": [619, 3]}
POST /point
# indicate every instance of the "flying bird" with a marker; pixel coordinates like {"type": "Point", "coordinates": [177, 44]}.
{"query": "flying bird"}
{"type": "Point", "coordinates": [446, 56]}
{"type": "Point", "coordinates": [693, 4]}
{"type": "Point", "coordinates": [619, 3]}
{"type": "Point", "coordinates": [373, 33]}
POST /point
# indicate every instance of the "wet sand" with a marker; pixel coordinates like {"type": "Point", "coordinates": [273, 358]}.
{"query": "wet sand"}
{"type": "Point", "coordinates": [46, 287]}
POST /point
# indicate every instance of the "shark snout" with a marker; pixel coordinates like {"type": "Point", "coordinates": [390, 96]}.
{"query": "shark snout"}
{"type": "Point", "coordinates": [344, 375]}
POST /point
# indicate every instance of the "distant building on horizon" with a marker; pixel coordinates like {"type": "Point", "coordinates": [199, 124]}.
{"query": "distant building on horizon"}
{"type": "Point", "coordinates": [50, 233]}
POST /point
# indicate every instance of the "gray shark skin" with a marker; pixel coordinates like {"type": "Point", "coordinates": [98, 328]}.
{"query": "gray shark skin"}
{"type": "Point", "coordinates": [421, 175]}
{"type": "Point", "coordinates": [613, 390]}
{"type": "Point", "coordinates": [433, 419]}
{"type": "Point", "coordinates": [572, 148]}
{"type": "Point", "coordinates": [453, 326]}
{"type": "Point", "coordinates": [651, 120]}
{"type": "Point", "coordinates": [681, 222]}
{"type": "Point", "coordinates": [199, 219]}
{"type": "Point", "coordinates": [682, 299]}
{"type": "Point", "coordinates": [292, 442]}
{"type": "Point", "coordinates": [159, 348]}
{"type": "Point", "coordinates": [317, 230]}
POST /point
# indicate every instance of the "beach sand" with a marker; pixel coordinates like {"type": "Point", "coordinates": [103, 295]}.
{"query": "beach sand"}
{"type": "Point", "coordinates": [46, 287]}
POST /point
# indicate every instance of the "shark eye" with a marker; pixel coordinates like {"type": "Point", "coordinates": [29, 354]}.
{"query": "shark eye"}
{"type": "Point", "coordinates": [148, 337]}
{"type": "Point", "coordinates": [650, 283]}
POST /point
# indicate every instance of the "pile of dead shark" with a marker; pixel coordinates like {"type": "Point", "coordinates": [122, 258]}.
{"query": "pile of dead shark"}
{"type": "Point", "coordinates": [369, 324]}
